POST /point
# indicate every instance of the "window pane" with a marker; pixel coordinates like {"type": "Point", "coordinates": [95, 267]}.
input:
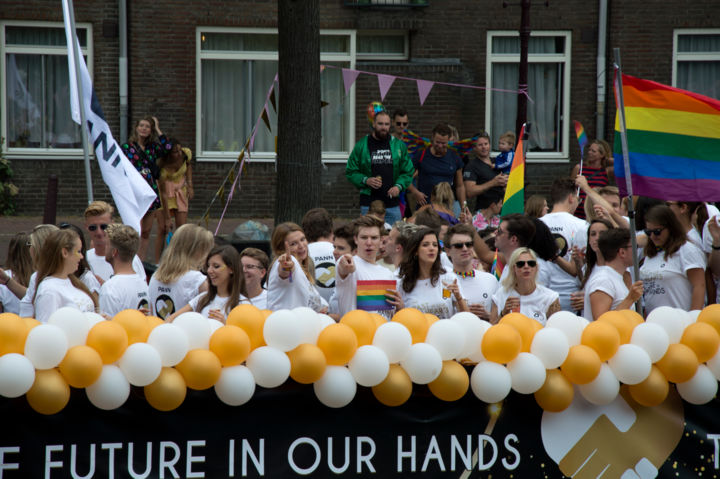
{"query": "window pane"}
{"type": "Point", "coordinates": [38, 103]}
{"type": "Point", "coordinates": [699, 43]}
{"type": "Point", "coordinates": [335, 114]}
{"type": "Point", "coordinates": [536, 45]}
{"type": "Point", "coordinates": [16, 35]}
{"type": "Point", "coordinates": [240, 42]}
{"type": "Point", "coordinates": [334, 44]}
{"type": "Point", "coordinates": [700, 77]}
{"type": "Point", "coordinates": [368, 43]}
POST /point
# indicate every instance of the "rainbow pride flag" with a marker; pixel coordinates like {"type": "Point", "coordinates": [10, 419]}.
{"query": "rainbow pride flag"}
{"type": "Point", "coordinates": [581, 136]}
{"type": "Point", "coordinates": [514, 201]}
{"type": "Point", "coordinates": [371, 294]}
{"type": "Point", "coordinates": [497, 267]}
{"type": "Point", "coordinates": [673, 139]}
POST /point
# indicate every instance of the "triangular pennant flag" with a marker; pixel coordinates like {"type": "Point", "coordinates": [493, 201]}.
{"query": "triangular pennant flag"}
{"type": "Point", "coordinates": [231, 175]}
{"type": "Point", "coordinates": [323, 104]}
{"type": "Point", "coordinates": [349, 77]}
{"type": "Point", "coordinates": [385, 82]}
{"type": "Point", "coordinates": [241, 155]}
{"type": "Point", "coordinates": [221, 193]}
{"type": "Point", "coordinates": [322, 68]}
{"type": "Point", "coordinates": [424, 87]}
{"type": "Point", "coordinates": [265, 118]}
{"type": "Point", "coordinates": [272, 99]}
{"type": "Point", "coordinates": [206, 218]}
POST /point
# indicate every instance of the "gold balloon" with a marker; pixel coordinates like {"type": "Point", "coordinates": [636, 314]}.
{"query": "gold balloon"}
{"type": "Point", "coordinates": [582, 364]}
{"type": "Point", "coordinates": [362, 323]}
{"type": "Point", "coordinates": [525, 326]}
{"type": "Point", "coordinates": [154, 322]}
{"type": "Point", "coordinates": [230, 344]}
{"type": "Point", "coordinates": [168, 391]}
{"type": "Point", "coordinates": [624, 321]}
{"type": "Point", "coordinates": [556, 394]}
{"type": "Point", "coordinates": [81, 366]}
{"type": "Point", "coordinates": [307, 363]}
{"type": "Point", "coordinates": [31, 323]}
{"type": "Point", "coordinates": [135, 323]}
{"type": "Point", "coordinates": [49, 393]}
{"type": "Point", "coordinates": [453, 382]}
{"type": "Point", "coordinates": [338, 342]}
{"type": "Point", "coordinates": [501, 343]}
{"type": "Point", "coordinates": [415, 321]}
{"type": "Point", "coordinates": [109, 339]}
{"type": "Point", "coordinates": [251, 320]}
{"type": "Point", "coordinates": [703, 339]}
{"type": "Point", "coordinates": [379, 319]}
{"type": "Point", "coordinates": [200, 368]}
{"type": "Point", "coordinates": [13, 333]}
{"type": "Point", "coordinates": [634, 317]}
{"type": "Point", "coordinates": [652, 391]}
{"type": "Point", "coordinates": [266, 312]}
{"type": "Point", "coordinates": [710, 315]}
{"type": "Point", "coordinates": [679, 364]}
{"type": "Point", "coordinates": [395, 389]}
{"type": "Point", "coordinates": [603, 337]}
{"type": "Point", "coordinates": [431, 318]}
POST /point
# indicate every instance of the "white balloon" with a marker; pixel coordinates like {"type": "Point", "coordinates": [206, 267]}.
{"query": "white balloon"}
{"type": "Point", "coordinates": [630, 364]}
{"type": "Point", "coordinates": [701, 388]}
{"type": "Point", "coordinates": [569, 324]}
{"type": "Point", "coordinates": [93, 318]}
{"type": "Point", "coordinates": [668, 318]}
{"type": "Point", "coordinates": [336, 388]}
{"type": "Point", "coordinates": [448, 337]}
{"type": "Point", "coordinates": [196, 327]}
{"type": "Point", "coordinates": [603, 389]}
{"type": "Point", "coordinates": [111, 390]}
{"type": "Point", "coordinates": [46, 346]}
{"type": "Point", "coordinates": [527, 373]}
{"type": "Point", "coordinates": [693, 315]}
{"type": "Point", "coordinates": [17, 375]}
{"type": "Point", "coordinates": [490, 382]}
{"type": "Point", "coordinates": [394, 339]}
{"type": "Point", "coordinates": [687, 317]}
{"type": "Point", "coordinates": [236, 385]}
{"type": "Point", "coordinates": [369, 366]}
{"type": "Point", "coordinates": [473, 330]}
{"type": "Point", "coordinates": [73, 322]}
{"type": "Point", "coordinates": [282, 330]}
{"type": "Point", "coordinates": [270, 366]}
{"type": "Point", "coordinates": [310, 324]}
{"type": "Point", "coordinates": [325, 321]}
{"type": "Point", "coordinates": [714, 365]}
{"type": "Point", "coordinates": [652, 338]}
{"type": "Point", "coordinates": [214, 325]}
{"type": "Point", "coordinates": [171, 342]}
{"type": "Point", "coordinates": [141, 364]}
{"type": "Point", "coordinates": [551, 346]}
{"type": "Point", "coordinates": [423, 363]}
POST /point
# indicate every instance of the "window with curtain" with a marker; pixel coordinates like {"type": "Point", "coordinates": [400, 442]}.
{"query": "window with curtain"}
{"type": "Point", "coordinates": [237, 69]}
{"type": "Point", "coordinates": [697, 62]}
{"type": "Point", "coordinates": [382, 45]}
{"type": "Point", "coordinates": [36, 101]}
{"type": "Point", "coordinates": [548, 87]}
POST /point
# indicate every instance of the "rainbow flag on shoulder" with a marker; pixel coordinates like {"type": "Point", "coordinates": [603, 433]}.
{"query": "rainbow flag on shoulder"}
{"type": "Point", "coordinates": [371, 294]}
{"type": "Point", "coordinates": [514, 201]}
{"type": "Point", "coordinates": [673, 139]}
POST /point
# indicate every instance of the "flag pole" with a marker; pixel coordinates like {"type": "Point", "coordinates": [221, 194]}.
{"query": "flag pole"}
{"type": "Point", "coordinates": [620, 103]}
{"type": "Point", "coordinates": [81, 99]}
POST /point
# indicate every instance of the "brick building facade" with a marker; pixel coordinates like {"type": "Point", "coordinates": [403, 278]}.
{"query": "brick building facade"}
{"type": "Point", "coordinates": [443, 41]}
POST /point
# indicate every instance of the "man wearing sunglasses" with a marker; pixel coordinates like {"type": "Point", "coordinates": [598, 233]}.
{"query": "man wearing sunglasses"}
{"type": "Point", "coordinates": [98, 216]}
{"type": "Point", "coordinates": [400, 122]}
{"type": "Point", "coordinates": [478, 286]}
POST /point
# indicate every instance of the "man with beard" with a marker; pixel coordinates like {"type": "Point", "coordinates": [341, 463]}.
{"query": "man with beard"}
{"type": "Point", "coordinates": [379, 166]}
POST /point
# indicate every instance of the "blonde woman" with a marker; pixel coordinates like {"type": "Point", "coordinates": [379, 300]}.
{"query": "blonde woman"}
{"type": "Point", "coordinates": [178, 278]}
{"type": "Point", "coordinates": [37, 239]}
{"type": "Point", "coordinates": [442, 199]}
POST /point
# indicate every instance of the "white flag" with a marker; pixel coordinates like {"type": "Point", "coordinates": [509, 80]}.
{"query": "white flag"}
{"type": "Point", "coordinates": [131, 193]}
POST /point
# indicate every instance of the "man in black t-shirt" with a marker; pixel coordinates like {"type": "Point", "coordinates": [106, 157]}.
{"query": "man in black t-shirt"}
{"type": "Point", "coordinates": [480, 177]}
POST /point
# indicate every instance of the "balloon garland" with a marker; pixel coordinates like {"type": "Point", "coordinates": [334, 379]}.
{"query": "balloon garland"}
{"type": "Point", "coordinates": [568, 356]}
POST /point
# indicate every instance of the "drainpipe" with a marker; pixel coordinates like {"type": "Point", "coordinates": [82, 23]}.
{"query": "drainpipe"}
{"type": "Point", "coordinates": [123, 69]}
{"type": "Point", "coordinates": [601, 73]}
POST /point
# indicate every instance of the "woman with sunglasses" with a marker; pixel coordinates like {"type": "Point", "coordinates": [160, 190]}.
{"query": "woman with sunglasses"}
{"type": "Point", "coordinates": [519, 291]}
{"type": "Point", "coordinates": [673, 270]}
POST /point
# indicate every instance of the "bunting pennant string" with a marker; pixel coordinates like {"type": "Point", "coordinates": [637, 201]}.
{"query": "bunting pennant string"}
{"type": "Point", "coordinates": [384, 82]}
{"type": "Point", "coordinates": [349, 77]}
{"type": "Point", "coordinates": [424, 88]}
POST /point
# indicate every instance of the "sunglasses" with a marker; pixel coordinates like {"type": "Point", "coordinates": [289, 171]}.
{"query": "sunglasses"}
{"type": "Point", "coordinates": [251, 267]}
{"type": "Point", "coordinates": [521, 264]}
{"type": "Point", "coordinates": [400, 123]}
{"type": "Point", "coordinates": [95, 227]}
{"type": "Point", "coordinates": [467, 244]}
{"type": "Point", "coordinates": [655, 232]}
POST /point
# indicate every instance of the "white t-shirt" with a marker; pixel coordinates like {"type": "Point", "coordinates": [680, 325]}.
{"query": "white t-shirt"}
{"type": "Point", "coordinates": [88, 278]}
{"type": "Point", "coordinates": [568, 231]}
{"type": "Point", "coordinates": [10, 302]}
{"type": "Point", "coordinates": [104, 270]}
{"type": "Point", "coordinates": [123, 291]}
{"type": "Point", "coordinates": [260, 301]}
{"type": "Point", "coordinates": [165, 298]}
{"type": "Point", "coordinates": [292, 292]}
{"type": "Point", "coordinates": [707, 239]}
{"type": "Point", "coordinates": [665, 282]}
{"type": "Point", "coordinates": [27, 308]}
{"type": "Point", "coordinates": [533, 305]}
{"type": "Point", "coordinates": [610, 282]}
{"type": "Point", "coordinates": [479, 289]}
{"type": "Point", "coordinates": [347, 288]}
{"type": "Point", "coordinates": [445, 262]}
{"type": "Point", "coordinates": [321, 253]}
{"type": "Point", "coordinates": [217, 302]}
{"type": "Point", "coordinates": [429, 299]}
{"type": "Point", "coordinates": [55, 293]}
{"type": "Point", "coordinates": [694, 237]}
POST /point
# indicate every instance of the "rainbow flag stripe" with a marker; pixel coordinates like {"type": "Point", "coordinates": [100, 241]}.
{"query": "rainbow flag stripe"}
{"type": "Point", "coordinates": [581, 136]}
{"type": "Point", "coordinates": [371, 294]}
{"type": "Point", "coordinates": [514, 201]}
{"type": "Point", "coordinates": [673, 140]}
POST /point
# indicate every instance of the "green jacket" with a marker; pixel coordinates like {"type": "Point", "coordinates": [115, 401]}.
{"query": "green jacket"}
{"type": "Point", "coordinates": [358, 167]}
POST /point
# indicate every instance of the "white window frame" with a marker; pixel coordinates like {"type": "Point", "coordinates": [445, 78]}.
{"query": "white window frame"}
{"type": "Point", "coordinates": [405, 55]}
{"type": "Point", "coordinates": [267, 157]}
{"type": "Point", "coordinates": [562, 156]}
{"type": "Point", "coordinates": [689, 57]}
{"type": "Point", "coordinates": [45, 153]}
